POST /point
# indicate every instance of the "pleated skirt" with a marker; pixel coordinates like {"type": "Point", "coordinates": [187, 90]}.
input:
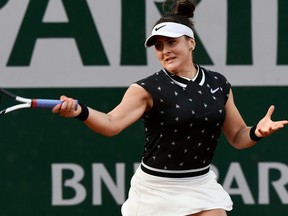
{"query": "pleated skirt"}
{"type": "Point", "coordinates": [158, 196]}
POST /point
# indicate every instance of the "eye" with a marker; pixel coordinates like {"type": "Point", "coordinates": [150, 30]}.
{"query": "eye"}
{"type": "Point", "coordinates": [158, 46]}
{"type": "Point", "coordinates": [171, 42]}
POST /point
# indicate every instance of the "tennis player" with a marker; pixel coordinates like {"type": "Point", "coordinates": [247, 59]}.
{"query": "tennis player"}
{"type": "Point", "coordinates": [184, 108]}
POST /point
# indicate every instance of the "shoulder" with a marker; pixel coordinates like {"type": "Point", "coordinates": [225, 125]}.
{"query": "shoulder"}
{"type": "Point", "coordinates": [136, 94]}
{"type": "Point", "coordinates": [214, 75]}
{"type": "Point", "coordinates": [156, 77]}
{"type": "Point", "coordinates": [153, 82]}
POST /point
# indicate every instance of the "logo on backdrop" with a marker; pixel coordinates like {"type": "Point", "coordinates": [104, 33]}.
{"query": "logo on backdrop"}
{"type": "Point", "coordinates": [102, 178]}
{"type": "Point", "coordinates": [49, 39]}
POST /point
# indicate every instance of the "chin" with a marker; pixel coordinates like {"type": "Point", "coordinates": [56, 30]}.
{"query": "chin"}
{"type": "Point", "coordinates": [171, 69]}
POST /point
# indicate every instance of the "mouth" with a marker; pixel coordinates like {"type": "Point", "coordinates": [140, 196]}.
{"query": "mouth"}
{"type": "Point", "coordinates": [169, 59]}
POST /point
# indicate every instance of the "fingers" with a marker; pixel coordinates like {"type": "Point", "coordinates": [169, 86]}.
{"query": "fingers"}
{"type": "Point", "coordinates": [68, 104]}
{"type": "Point", "coordinates": [56, 109]}
{"type": "Point", "coordinates": [279, 124]}
{"type": "Point", "coordinates": [67, 108]}
{"type": "Point", "coordinates": [272, 128]}
{"type": "Point", "coordinates": [266, 126]}
{"type": "Point", "coordinates": [270, 111]}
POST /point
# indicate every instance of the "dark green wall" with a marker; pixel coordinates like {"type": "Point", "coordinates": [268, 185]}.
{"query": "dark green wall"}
{"type": "Point", "coordinates": [32, 140]}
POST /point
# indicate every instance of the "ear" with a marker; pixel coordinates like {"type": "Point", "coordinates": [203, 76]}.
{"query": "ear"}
{"type": "Point", "coordinates": [192, 43]}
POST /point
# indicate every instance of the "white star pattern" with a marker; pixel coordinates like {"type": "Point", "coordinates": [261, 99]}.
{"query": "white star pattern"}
{"type": "Point", "coordinates": [192, 124]}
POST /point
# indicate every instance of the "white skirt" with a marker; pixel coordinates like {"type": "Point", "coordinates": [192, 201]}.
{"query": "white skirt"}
{"type": "Point", "coordinates": [157, 196]}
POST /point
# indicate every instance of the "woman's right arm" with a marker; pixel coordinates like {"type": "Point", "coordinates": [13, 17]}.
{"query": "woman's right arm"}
{"type": "Point", "coordinates": [134, 103]}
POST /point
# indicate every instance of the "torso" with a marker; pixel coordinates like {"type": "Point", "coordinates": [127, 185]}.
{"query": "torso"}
{"type": "Point", "coordinates": [184, 124]}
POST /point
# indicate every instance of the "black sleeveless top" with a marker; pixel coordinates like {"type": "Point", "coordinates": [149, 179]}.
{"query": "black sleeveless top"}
{"type": "Point", "coordinates": [183, 127]}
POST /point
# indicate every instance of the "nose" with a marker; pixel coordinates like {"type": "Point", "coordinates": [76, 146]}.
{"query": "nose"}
{"type": "Point", "coordinates": [166, 49]}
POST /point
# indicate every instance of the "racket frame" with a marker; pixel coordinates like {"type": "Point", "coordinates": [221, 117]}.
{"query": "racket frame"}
{"type": "Point", "coordinates": [29, 103]}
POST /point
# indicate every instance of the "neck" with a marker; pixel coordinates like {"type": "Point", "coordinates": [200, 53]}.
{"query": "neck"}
{"type": "Point", "coordinates": [189, 73]}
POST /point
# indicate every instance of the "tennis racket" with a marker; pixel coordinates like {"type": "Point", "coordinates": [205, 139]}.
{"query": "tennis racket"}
{"type": "Point", "coordinates": [28, 103]}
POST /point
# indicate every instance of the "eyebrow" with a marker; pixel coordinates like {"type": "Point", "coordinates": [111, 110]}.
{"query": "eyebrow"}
{"type": "Point", "coordinates": [166, 39]}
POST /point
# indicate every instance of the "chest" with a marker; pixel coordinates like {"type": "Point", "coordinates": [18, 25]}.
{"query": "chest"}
{"type": "Point", "coordinates": [193, 104]}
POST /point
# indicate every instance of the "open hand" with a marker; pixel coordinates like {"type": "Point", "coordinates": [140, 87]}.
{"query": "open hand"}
{"type": "Point", "coordinates": [266, 126]}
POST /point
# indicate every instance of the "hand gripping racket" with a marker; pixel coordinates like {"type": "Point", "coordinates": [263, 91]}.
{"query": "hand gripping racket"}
{"type": "Point", "coordinates": [28, 103]}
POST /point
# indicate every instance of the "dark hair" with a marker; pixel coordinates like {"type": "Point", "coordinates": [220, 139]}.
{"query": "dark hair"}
{"type": "Point", "coordinates": [178, 11]}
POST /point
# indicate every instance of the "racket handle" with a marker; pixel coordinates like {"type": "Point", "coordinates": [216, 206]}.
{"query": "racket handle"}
{"type": "Point", "coordinates": [47, 103]}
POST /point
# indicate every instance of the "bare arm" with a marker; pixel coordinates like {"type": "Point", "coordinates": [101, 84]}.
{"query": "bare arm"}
{"type": "Point", "coordinates": [234, 127]}
{"type": "Point", "coordinates": [236, 130]}
{"type": "Point", "coordinates": [134, 103]}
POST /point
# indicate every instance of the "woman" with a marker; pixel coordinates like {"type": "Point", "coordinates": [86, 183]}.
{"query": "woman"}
{"type": "Point", "coordinates": [184, 108]}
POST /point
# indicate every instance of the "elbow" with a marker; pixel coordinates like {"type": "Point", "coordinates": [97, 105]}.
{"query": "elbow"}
{"type": "Point", "coordinates": [237, 144]}
{"type": "Point", "coordinates": [238, 147]}
{"type": "Point", "coordinates": [239, 139]}
{"type": "Point", "coordinates": [110, 133]}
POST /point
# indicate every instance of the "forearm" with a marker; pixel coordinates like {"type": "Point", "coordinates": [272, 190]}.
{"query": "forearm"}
{"type": "Point", "coordinates": [101, 123]}
{"type": "Point", "coordinates": [242, 139]}
{"type": "Point", "coordinates": [134, 103]}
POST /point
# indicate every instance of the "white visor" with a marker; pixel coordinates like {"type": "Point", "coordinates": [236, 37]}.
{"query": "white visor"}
{"type": "Point", "coordinates": [169, 29]}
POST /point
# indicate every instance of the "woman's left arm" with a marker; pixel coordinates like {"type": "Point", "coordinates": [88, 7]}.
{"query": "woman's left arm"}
{"type": "Point", "coordinates": [238, 133]}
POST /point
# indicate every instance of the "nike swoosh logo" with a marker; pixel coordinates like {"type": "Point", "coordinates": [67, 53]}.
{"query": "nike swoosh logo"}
{"type": "Point", "coordinates": [214, 90]}
{"type": "Point", "coordinates": [156, 29]}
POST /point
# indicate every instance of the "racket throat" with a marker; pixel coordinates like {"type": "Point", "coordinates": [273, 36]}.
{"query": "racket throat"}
{"type": "Point", "coordinates": [34, 103]}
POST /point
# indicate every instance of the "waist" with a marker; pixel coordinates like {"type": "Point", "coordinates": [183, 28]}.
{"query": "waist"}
{"type": "Point", "coordinates": [174, 173]}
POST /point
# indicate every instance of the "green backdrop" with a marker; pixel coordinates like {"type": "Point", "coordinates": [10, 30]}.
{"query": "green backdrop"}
{"type": "Point", "coordinates": [33, 140]}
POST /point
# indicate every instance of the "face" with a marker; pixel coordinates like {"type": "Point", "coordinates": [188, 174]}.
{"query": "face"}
{"type": "Point", "coordinates": [175, 54]}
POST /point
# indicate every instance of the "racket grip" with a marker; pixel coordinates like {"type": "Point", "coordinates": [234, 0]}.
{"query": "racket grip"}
{"type": "Point", "coordinates": [47, 103]}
